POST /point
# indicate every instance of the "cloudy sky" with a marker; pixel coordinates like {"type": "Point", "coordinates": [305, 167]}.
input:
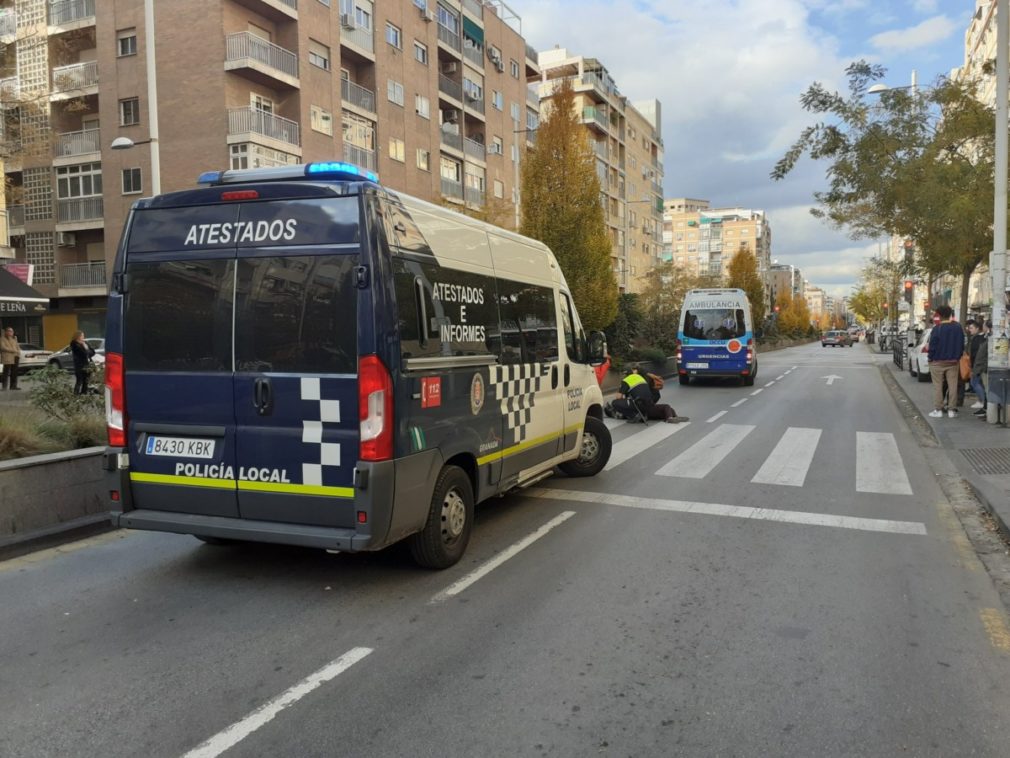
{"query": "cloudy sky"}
{"type": "Point", "coordinates": [729, 74]}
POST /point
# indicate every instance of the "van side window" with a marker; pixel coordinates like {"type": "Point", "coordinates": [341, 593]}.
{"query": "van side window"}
{"type": "Point", "coordinates": [406, 234]}
{"type": "Point", "coordinates": [529, 322]}
{"type": "Point", "coordinates": [415, 310]}
{"type": "Point", "coordinates": [573, 344]}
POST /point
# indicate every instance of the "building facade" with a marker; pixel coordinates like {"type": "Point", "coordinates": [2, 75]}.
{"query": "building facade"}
{"type": "Point", "coordinates": [784, 279]}
{"type": "Point", "coordinates": [432, 95]}
{"type": "Point", "coordinates": [626, 138]}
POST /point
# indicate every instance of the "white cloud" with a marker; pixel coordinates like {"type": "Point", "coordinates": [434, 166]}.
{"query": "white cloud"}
{"type": "Point", "coordinates": [924, 34]}
{"type": "Point", "coordinates": [924, 6]}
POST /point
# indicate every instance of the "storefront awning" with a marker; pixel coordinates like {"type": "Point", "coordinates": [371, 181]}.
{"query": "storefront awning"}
{"type": "Point", "coordinates": [18, 299]}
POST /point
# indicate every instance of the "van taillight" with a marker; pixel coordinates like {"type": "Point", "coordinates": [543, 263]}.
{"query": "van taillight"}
{"type": "Point", "coordinates": [115, 400]}
{"type": "Point", "coordinates": [375, 409]}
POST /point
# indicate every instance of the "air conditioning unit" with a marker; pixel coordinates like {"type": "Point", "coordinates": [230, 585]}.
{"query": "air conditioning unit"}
{"type": "Point", "coordinates": [450, 68]}
{"type": "Point", "coordinates": [66, 239]}
{"type": "Point", "coordinates": [347, 21]}
{"type": "Point", "coordinates": [499, 65]}
{"type": "Point", "coordinates": [427, 15]}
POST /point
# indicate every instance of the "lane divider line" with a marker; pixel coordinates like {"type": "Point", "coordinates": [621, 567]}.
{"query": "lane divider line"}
{"type": "Point", "coordinates": [717, 416]}
{"type": "Point", "coordinates": [770, 383]}
{"type": "Point", "coordinates": [739, 402]}
{"type": "Point", "coordinates": [779, 377]}
{"type": "Point", "coordinates": [498, 560]}
{"type": "Point", "coordinates": [757, 391]}
{"type": "Point", "coordinates": [735, 511]}
{"type": "Point", "coordinates": [238, 731]}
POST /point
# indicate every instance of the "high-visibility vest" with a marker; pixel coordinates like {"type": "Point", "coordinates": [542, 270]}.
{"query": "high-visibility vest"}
{"type": "Point", "coordinates": [633, 380]}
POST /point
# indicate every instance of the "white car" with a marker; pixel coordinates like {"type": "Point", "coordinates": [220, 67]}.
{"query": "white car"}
{"type": "Point", "coordinates": [32, 357]}
{"type": "Point", "coordinates": [918, 356]}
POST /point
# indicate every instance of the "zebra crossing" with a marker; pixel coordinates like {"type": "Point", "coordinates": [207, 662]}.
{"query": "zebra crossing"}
{"type": "Point", "coordinates": [879, 468]}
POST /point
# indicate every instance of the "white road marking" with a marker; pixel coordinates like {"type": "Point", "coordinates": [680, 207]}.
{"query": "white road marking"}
{"type": "Point", "coordinates": [739, 403]}
{"type": "Point", "coordinates": [704, 455]}
{"type": "Point", "coordinates": [780, 377]}
{"type": "Point", "coordinates": [770, 383]}
{"type": "Point", "coordinates": [735, 511]}
{"type": "Point", "coordinates": [640, 442]}
{"type": "Point", "coordinates": [491, 565]}
{"type": "Point", "coordinates": [717, 416]}
{"type": "Point", "coordinates": [790, 460]}
{"type": "Point", "coordinates": [757, 391]}
{"type": "Point", "coordinates": [831, 379]}
{"type": "Point", "coordinates": [612, 423]}
{"type": "Point", "coordinates": [238, 731]}
{"type": "Point", "coordinates": [878, 465]}
{"type": "Point", "coordinates": [794, 367]}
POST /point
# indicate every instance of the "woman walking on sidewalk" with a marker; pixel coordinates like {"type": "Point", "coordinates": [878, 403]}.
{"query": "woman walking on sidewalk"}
{"type": "Point", "coordinates": [946, 345]}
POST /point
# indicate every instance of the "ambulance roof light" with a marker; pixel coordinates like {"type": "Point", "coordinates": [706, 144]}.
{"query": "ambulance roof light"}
{"type": "Point", "coordinates": [331, 170]}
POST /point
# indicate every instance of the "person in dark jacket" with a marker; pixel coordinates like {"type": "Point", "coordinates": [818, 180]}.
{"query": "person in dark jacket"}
{"type": "Point", "coordinates": [638, 392]}
{"type": "Point", "coordinates": [946, 344]}
{"type": "Point", "coordinates": [978, 351]}
{"type": "Point", "coordinates": [82, 353]}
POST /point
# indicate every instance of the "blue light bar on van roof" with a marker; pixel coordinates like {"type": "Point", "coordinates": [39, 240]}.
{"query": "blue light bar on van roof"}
{"type": "Point", "coordinates": [332, 170]}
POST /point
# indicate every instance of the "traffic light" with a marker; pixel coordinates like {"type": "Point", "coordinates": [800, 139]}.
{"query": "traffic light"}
{"type": "Point", "coordinates": [778, 308]}
{"type": "Point", "coordinates": [909, 291]}
{"type": "Point", "coordinates": [885, 307]}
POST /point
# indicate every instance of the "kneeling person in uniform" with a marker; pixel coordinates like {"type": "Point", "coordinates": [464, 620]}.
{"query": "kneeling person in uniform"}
{"type": "Point", "coordinates": [639, 392]}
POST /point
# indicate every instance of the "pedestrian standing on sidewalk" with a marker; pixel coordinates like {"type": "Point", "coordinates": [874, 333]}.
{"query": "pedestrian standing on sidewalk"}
{"type": "Point", "coordinates": [978, 351]}
{"type": "Point", "coordinates": [82, 353]}
{"type": "Point", "coordinates": [946, 345]}
{"type": "Point", "coordinates": [10, 354]}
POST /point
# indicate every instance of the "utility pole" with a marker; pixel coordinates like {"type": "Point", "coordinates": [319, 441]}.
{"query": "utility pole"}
{"type": "Point", "coordinates": [999, 367]}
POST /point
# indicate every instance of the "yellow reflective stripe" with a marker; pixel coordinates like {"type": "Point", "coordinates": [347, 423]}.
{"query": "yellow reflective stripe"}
{"type": "Point", "coordinates": [184, 481]}
{"type": "Point", "coordinates": [633, 380]}
{"type": "Point", "coordinates": [526, 445]}
{"type": "Point", "coordinates": [298, 489]}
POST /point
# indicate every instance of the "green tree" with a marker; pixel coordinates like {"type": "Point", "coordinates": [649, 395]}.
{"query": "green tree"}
{"type": "Point", "coordinates": [661, 299]}
{"type": "Point", "coordinates": [623, 329]}
{"type": "Point", "coordinates": [561, 208]}
{"type": "Point", "coordinates": [913, 164]}
{"type": "Point", "coordinates": [743, 274]}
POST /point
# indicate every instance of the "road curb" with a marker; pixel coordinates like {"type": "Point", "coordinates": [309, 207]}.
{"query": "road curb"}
{"type": "Point", "coordinates": [17, 545]}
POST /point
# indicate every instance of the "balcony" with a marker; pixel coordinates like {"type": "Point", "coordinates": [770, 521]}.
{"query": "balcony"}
{"type": "Point", "coordinates": [9, 90]}
{"type": "Point", "coordinates": [360, 157]}
{"type": "Point", "coordinates": [82, 275]}
{"type": "Point", "coordinates": [448, 37]}
{"type": "Point", "coordinates": [75, 80]}
{"type": "Point", "coordinates": [452, 189]}
{"type": "Point", "coordinates": [15, 217]}
{"type": "Point", "coordinates": [264, 62]}
{"type": "Point", "coordinates": [70, 12]}
{"type": "Point", "coordinates": [474, 149]}
{"type": "Point", "coordinates": [8, 23]}
{"type": "Point", "coordinates": [532, 97]}
{"type": "Point", "coordinates": [359, 37]}
{"type": "Point", "coordinates": [79, 211]}
{"type": "Point", "coordinates": [452, 139]}
{"type": "Point", "coordinates": [245, 121]}
{"type": "Point", "coordinates": [358, 96]}
{"type": "Point", "coordinates": [531, 53]}
{"type": "Point", "coordinates": [75, 144]}
{"type": "Point", "coordinates": [473, 103]}
{"type": "Point", "coordinates": [476, 8]}
{"type": "Point", "coordinates": [450, 88]}
{"type": "Point", "coordinates": [595, 117]}
{"type": "Point", "coordinates": [474, 196]}
{"type": "Point", "coordinates": [277, 10]}
{"type": "Point", "coordinates": [474, 55]}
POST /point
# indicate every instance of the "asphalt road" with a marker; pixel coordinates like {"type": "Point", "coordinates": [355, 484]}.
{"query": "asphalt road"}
{"type": "Point", "coordinates": [779, 577]}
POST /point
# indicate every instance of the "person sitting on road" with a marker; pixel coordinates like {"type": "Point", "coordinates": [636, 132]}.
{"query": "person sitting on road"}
{"type": "Point", "coordinates": [638, 395]}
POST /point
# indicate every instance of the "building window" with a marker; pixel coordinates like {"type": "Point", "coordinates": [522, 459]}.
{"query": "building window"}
{"type": "Point", "coordinates": [499, 189]}
{"type": "Point", "coordinates": [325, 2]}
{"type": "Point", "coordinates": [261, 103]}
{"type": "Point", "coordinates": [514, 68]}
{"type": "Point", "coordinates": [514, 108]}
{"type": "Point", "coordinates": [422, 106]}
{"type": "Point", "coordinates": [396, 149]}
{"type": "Point", "coordinates": [420, 53]}
{"type": "Point", "coordinates": [394, 91]}
{"type": "Point", "coordinates": [84, 180]}
{"type": "Point", "coordinates": [319, 54]}
{"type": "Point", "coordinates": [129, 111]}
{"type": "Point", "coordinates": [246, 155]}
{"type": "Point", "coordinates": [423, 160]}
{"type": "Point", "coordinates": [450, 170]}
{"type": "Point", "coordinates": [497, 145]}
{"type": "Point", "coordinates": [393, 36]}
{"type": "Point", "coordinates": [472, 90]}
{"type": "Point", "coordinates": [126, 42]}
{"type": "Point", "coordinates": [131, 181]}
{"type": "Point", "coordinates": [321, 119]}
{"type": "Point", "coordinates": [497, 99]}
{"type": "Point", "coordinates": [362, 18]}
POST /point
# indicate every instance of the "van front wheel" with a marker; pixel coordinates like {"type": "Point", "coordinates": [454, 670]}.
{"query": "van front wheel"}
{"type": "Point", "coordinates": [595, 451]}
{"type": "Point", "coordinates": [445, 535]}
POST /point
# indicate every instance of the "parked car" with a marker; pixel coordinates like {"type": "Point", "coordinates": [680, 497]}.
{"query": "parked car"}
{"type": "Point", "coordinates": [918, 356]}
{"type": "Point", "coordinates": [64, 359]}
{"type": "Point", "coordinates": [32, 357]}
{"type": "Point", "coordinates": [836, 338]}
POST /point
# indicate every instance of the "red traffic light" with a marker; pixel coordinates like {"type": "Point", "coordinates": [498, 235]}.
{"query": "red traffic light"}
{"type": "Point", "coordinates": [884, 305]}
{"type": "Point", "coordinates": [909, 284]}
{"type": "Point", "coordinates": [778, 308]}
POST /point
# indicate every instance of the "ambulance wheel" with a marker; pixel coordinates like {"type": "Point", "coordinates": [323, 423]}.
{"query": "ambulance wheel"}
{"type": "Point", "coordinates": [684, 379]}
{"type": "Point", "coordinates": [595, 453]}
{"type": "Point", "coordinates": [748, 381]}
{"type": "Point", "coordinates": [446, 533]}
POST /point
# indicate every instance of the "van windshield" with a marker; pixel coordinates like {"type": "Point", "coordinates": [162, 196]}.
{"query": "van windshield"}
{"type": "Point", "coordinates": [714, 323]}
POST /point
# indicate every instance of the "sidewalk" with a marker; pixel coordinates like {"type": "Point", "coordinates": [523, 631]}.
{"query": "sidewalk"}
{"type": "Point", "coordinates": [980, 451]}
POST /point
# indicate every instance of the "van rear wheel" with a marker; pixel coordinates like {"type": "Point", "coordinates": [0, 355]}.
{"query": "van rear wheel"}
{"type": "Point", "coordinates": [595, 451]}
{"type": "Point", "coordinates": [446, 532]}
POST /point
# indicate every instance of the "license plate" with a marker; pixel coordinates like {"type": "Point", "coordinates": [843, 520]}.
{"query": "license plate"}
{"type": "Point", "coordinates": [697, 365]}
{"type": "Point", "coordinates": [180, 447]}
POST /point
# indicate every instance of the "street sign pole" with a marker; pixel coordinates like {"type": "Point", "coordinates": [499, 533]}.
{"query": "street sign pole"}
{"type": "Point", "coordinates": [999, 366]}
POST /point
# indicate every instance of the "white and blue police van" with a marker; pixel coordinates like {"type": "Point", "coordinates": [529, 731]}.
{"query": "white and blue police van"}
{"type": "Point", "coordinates": [299, 355]}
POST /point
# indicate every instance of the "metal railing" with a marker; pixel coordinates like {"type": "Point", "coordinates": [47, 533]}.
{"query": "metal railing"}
{"type": "Point", "coordinates": [247, 46]}
{"type": "Point", "coordinates": [70, 10]}
{"type": "Point", "coordinates": [452, 189]}
{"type": "Point", "coordinates": [363, 38]}
{"type": "Point", "coordinates": [531, 53]}
{"type": "Point", "coordinates": [451, 139]}
{"type": "Point", "coordinates": [590, 113]}
{"type": "Point", "coordinates": [75, 76]}
{"type": "Point", "coordinates": [474, 55]}
{"type": "Point", "coordinates": [474, 7]}
{"type": "Point", "coordinates": [449, 87]}
{"type": "Point", "coordinates": [474, 103]}
{"type": "Point", "coordinates": [83, 274]}
{"type": "Point", "coordinates": [449, 37]}
{"type": "Point", "coordinates": [532, 96]}
{"type": "Point", "coordinates": [357, 95]}
{"type": "Point", "coordinates": [15, 215]}
{"type": "Point", "coordinates": [9, 89]}
{"type": "Point", "coordinates": [898, 350]}
{"type": "Point", "coordinates": [78, 143]}
{"type": "Point", "coordinates": [474, 196]}
{"type": "Point", "coordinates": [245, 120]}
{"type": "Point", "coordinates": [293, 4]}
{"type": "Point", "coordinates": [8, 23]}
{"type": "Point", "coordinates": [70, 210]}
{"type": "Point", "coordinates": [474, 148]}
{"type": "Point", "coordinates": [359, 156]}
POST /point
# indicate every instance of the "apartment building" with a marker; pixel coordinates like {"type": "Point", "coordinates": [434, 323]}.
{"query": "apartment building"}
{"type": "Point", "coordinates": [703, 240]}
{"type": "Point", "coordinates": [784, 279]}
{"type": "Point", "coordinates": [627, 140]}
{"type": "Point", "coordinates": [817, 302]}
{"type": "Point", "coordinates": [431, 94]}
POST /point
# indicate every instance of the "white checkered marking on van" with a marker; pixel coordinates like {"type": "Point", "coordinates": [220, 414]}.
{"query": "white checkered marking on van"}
{"type": "Point", "coordinates": [312, 432]}
{"type": "Point", "coordinates": [514, 387]}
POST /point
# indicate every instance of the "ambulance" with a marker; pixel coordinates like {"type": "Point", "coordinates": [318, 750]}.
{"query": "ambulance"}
{"type": "Point", "coordinates": [300, 355]}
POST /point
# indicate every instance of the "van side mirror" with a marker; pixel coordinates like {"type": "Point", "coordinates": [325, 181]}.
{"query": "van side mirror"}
{"type": "Point", "coordinates": [597, 348]}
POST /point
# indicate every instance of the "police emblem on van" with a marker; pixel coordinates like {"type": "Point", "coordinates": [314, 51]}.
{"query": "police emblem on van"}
{"type": "Point", "coordinates": [476, 394]}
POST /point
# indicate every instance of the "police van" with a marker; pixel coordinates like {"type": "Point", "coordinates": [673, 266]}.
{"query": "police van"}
{"type": "Point", "coordinates": [299, 355]}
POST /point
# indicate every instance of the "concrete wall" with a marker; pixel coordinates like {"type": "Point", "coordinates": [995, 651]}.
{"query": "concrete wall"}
{"type": "Point", "coordinates": [45, 490]}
